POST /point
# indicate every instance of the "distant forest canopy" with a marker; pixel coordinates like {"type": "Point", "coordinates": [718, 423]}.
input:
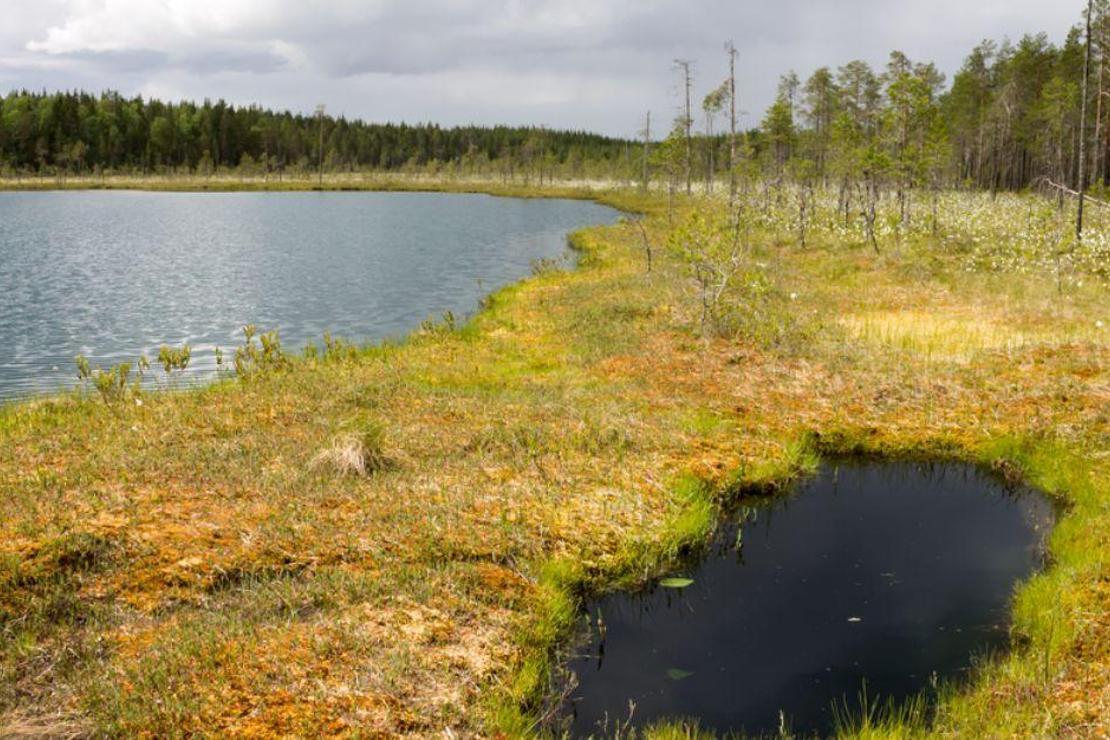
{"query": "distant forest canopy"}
{"type": "Point", "coordinates": [81, 133]}
{"type": "Point", "coordinates": [1011, 117]}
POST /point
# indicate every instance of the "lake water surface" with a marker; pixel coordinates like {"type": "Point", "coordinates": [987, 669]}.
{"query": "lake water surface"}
{"type": "Point", "coordinates": [872, 576]}
{"type": "Point", "coordinates": [113, 275]}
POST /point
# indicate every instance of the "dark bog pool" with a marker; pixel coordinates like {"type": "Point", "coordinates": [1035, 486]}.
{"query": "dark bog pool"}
{"type": "Point", "coordinates": [889, 576]}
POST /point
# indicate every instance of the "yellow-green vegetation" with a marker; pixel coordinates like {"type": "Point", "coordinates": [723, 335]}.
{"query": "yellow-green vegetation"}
{"type": "Point", "coordinates": [397, 540]}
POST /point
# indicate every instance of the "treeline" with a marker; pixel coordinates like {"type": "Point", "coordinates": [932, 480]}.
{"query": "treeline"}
{"type": "Point", "coordinates": [81, 133]}
{"type": "Point", "coordinates": [1011, 118]}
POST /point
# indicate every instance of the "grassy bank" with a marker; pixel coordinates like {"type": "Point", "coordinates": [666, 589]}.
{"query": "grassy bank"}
{"type": "Point", "coordinates": [211, 562]}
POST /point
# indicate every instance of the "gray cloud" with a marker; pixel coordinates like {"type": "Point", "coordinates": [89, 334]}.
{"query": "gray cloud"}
{"type": "Point", "coordinates": [596, 64]}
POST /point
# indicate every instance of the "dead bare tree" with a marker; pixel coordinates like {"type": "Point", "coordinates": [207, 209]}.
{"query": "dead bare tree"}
{"type": "Point", "coordinates": [869, 201]}
{"type": "Point", "coordinates": [645, 240]}
{"type": "Point", "coordinates": [685, 67]}
{"type": "Point", "coordinates": [805, 204]}
{"type": "Point", "coordinates": [1099, 149]}
{"type": "Point", "coordinates": [732, 53]}
{"type": "Point", "coordinates": [1082, 180]}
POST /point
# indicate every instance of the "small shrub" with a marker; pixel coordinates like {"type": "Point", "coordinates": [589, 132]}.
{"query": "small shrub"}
{"type": "Point", "coordinates": [171, 358]}
{"type": "Point", "coordinates": [114, 384]}
{"type": "Point", "coordinates": [263, 356]}
{"type": "Point", "coordinates": [711, 249]}
{"type": "Point", "coordinates": [737, 296]}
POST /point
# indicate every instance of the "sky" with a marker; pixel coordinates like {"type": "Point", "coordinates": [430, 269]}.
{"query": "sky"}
{"type": "Point", "coordinates": [597, 65]}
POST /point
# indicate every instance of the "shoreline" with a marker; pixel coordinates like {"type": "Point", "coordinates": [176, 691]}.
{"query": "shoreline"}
{"type": "Point", "coordinates": [356, 182]}
{"type": "Point", "coordinates": [190, 185]}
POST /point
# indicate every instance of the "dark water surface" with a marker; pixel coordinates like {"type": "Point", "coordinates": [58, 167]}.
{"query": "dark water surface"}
{"type": "Point", "coordinates": [116, 274]}
{"type": "Point", "coordinates": [887, 573]}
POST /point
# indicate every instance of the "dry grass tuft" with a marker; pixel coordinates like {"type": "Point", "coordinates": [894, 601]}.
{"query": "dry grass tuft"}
{"type": "Point", "coordinates": [58, 726]}
{"type": "Point", "coordinates": [358, 454]}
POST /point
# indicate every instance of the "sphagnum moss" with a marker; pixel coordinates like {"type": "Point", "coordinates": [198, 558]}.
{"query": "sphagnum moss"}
{"type": "Point", "coordinates": [181, 567]}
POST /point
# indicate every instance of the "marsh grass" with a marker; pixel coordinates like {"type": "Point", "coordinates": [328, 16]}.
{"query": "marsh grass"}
{"type": "Point", "coordinates": [183, 567]}
{"type": "Point", "coordinates": [951, 338]}
{"type": "Point", "coordinates": [868, 717]}
{"type": "Point", "coordinates": [689, 729]}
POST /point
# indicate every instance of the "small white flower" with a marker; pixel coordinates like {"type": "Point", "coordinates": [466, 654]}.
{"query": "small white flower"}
{"type": "Point", "coordinates": [793, 296]}
{"type": "Point", "coordinates": [138, 402]}
{"type": "Point", "coordinates": [1099, 324]}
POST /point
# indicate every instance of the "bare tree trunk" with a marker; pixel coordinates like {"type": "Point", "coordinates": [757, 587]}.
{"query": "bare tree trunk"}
{"type": "Point", "coordinates": [845, 199]}
{"type": "Point", "coordinates": [685, 66]}
{"type": "Point", "coordinates": [647, 146]}
{"type": "Point", "coordinates": [805, 194]}
{"type": "Point", "coordinates": [1082, 188]}
{"type": "Point", "coordinates": [671, 187]}
{"type": "Point", "coordinates": [979, 155]}
{"type": "Point", "coordinates": [868, 198]}
{"type": "Point", "coordinates": [732, 119]}
{"type": "Point", "coordinates": [543, 151]}
{"type": "Point", "coordinates": [1097, 170]}
{"type": "Point", "coordinates": [709, 163]}
{"type": "Point", "coordinates": [936, 198]}
{"type": "Point", "coordinates": [320, 153]}
{"type": "Point", "coordinates": [645, 239]}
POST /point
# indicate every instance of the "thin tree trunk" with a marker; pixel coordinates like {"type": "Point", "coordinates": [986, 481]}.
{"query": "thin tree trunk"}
{"type": "Point", "coordinates": [732, 119]}
{"type": "Point", "coordinates": [1097, 170]}
{"type": "Point", "coordinates": [684, 66]}
{"type": "Point", "coordinates": [708, 154]}
{"type": "Point", "coordinates": [1083, 128]}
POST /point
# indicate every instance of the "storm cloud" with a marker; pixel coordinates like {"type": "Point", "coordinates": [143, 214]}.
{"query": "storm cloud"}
{"type": "Point", "coordinates": [593, 64]}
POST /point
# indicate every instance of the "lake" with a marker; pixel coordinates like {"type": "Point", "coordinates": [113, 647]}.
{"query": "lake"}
{"type": "Point", "coordinates": [876, 577]}
{"type": "Point", "coordinates": [113, 275]}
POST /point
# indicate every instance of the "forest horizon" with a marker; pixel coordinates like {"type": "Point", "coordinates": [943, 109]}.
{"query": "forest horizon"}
{"type": "Point", "coordinates": [1009, 118]}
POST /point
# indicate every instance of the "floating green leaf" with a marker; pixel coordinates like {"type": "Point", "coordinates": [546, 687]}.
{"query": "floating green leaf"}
{"type": "Point", "coordinates": [677, 674]}
{"type": "Point", "coordinates": [676, 582]}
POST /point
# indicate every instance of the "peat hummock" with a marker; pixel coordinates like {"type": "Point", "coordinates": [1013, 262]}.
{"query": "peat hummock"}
{"type": "Point", "coordinates": [873, 578]}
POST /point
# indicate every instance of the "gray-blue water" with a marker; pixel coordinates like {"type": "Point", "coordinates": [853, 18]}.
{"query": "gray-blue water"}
{"type": "Point", "coordinates": [113, 275]}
